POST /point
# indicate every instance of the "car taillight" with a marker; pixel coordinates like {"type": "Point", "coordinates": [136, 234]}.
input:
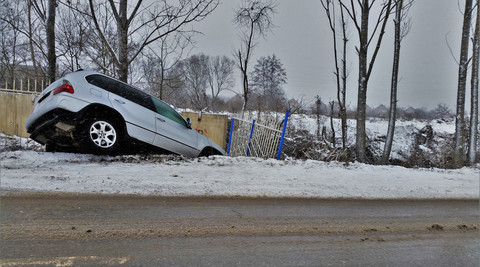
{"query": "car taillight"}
{"type": "Point", "coordinates": [65, 87]}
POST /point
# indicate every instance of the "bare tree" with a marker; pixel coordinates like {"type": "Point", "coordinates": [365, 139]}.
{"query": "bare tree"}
{"type": "Point", "coordinates": [365, 64]}
{"type": "Point", "coordinates": [46, 11]}
{"type": "Point", "coordinates": [220, 77]}
{"type": "Point", "coordinates": [160, 59]}
{"type": "Point", "coordinates": [195, 79]}
{"type": "Point", "coordinates": [254, 18]}
{"type": "Point", "coordinates": [341, 76]}
{"type": "Point", "coordinates": [72, 35]}
{"type": "Point", "coordinates": [174, 91]}
{"type": "Point", "coordinates": [200, 73]}
{"type": "Point", "coordinates": [472, 148]}
{"type": "Point", "coordinates": [459, 155]}
{"type": "Point", "coordinates": [138, 26]}
{"type": "Point", "coordinates": [442, 111]}
{"type": "Point", "coordinates": [96, 50]}
{"type": "Point", "coordinates": [297, 106]}
{"type": "Point", "coordinates": [10, 39]}
{"type": "Point", "coordinates": [402, 27]}
{"type": "Point", "coordinates": [34, 43]}
{"type": "Point", "coordinates": [29, 18]}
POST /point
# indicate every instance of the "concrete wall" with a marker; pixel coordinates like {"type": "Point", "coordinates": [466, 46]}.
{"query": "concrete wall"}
{"type": "Point", "coordinates": [213, 126]}
{"type": "Point", "coordinates": [14, 110]}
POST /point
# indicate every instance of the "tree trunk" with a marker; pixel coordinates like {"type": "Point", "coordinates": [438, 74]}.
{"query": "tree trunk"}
{"type": "Point", "coordinates": [51, 56]}
{"type": "Point", "coordinates": [459, 156]}
{"type": "Point", "coordinates": [318, 103]}
{"type": "Point", "coordinates": [332, 104]}
{"type": "Point", "coordinates": [122, 30]}
{"type": "Point", "coordinates": [249, 48]}
{"type": "Point", "coordinates": [362, 86]}
{"type": "Point", "coordinates": [162, 80]}
{"type": "Point", "coordinates": [245, 87]}
{"type": "Point", "coordinates": [392, 117]}
{"type": "Point", "coordinates": [343, 100]}
{"type": "Point", "coordinates": [30, 41]}
{"type": "Point", "coordinates": [472, 148]}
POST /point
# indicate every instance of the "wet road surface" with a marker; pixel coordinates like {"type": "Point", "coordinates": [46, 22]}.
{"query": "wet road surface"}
{"type": "Point", "coordinates": [92, 230]}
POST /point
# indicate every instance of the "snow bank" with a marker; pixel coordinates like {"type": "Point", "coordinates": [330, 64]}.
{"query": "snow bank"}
{"type": "Point", "coordinates": [226, 176]}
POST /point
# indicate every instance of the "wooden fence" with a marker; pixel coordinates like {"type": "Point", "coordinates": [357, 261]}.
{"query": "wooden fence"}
{"type": "Point", "coordinates": [16, 103]}
{"type": "Point", "coordinates": [24, 86]}
{"type": "Point", "coordinates": [14, 110]}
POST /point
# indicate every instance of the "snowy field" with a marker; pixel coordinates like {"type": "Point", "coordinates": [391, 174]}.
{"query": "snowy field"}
{"type": "Point", "coordinates": [33, 171]}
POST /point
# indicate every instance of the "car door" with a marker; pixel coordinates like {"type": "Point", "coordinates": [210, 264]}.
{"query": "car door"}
{"type": "Point", "coordinates": [135, 106]}
{"type": "Point", "coordinates": [172, 131]}
{"type": "Point", "coordinates": [140, 121]}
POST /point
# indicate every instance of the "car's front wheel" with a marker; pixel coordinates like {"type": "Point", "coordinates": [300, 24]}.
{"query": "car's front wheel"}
{"type": "Point", "coordinates": [101, 136]}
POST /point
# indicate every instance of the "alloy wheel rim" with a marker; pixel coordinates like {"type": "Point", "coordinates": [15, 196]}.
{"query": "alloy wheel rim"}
{"type": "Point", "coordinates": [103, 134]}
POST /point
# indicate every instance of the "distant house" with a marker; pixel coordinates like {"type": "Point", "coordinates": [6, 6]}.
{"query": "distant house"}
{"type": "Point", "coordinates": [409, 112]}
{"type": "Point", "coordinates": [368, 110]}
{"type": "Point", "coordinates": [380, 112]}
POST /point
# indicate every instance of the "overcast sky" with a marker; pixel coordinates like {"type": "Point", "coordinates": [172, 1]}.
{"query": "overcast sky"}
{"type": "Point", "coordinates": [303, 42]}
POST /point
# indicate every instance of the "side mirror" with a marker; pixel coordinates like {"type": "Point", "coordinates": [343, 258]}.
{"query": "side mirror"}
{"type": "Point", "coordinates": [189, 123]}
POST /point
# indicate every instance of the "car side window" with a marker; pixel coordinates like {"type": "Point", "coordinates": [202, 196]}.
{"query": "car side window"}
{"type": "Point", "coordinates": [121, 89]}
{"type": "Point", "coordinates": [167, 111]}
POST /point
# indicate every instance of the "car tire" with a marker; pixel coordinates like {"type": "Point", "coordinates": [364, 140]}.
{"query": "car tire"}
{"type": "Point", "coordinates": [208, 151]}
{"type": "Point", "coordinates": [101, 136]}
{"type": "Point", "coordinates": [52, 148]}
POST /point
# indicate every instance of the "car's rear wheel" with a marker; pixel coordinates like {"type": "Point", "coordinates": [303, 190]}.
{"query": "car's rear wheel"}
{"type": "Point", "coordinates": [52, 147]}
{"type": "Point", "coordinates": [101, 136]}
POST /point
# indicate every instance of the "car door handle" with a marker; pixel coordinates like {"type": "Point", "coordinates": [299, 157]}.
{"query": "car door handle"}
{"type": "Point", "coordinates": [120, 101]}
{"type": "Point", "coordinates": [160, 119]}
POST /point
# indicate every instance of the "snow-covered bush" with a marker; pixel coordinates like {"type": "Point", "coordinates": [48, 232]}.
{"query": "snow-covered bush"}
{"type": "Point", "coordinates": [416, 143]}
{"type": "Point", "coordinates": [12, 143]}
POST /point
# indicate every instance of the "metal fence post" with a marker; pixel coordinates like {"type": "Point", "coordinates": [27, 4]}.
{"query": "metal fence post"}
{"type": "Point", "coordinates": [283, 134]}
{"type": "Point", "coordinates": [250, 139]}
{"type": "Point", "coordinates": [230, 136]}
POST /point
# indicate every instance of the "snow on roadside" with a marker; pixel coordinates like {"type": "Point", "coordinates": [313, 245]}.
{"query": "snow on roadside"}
{"type": "Point", "coordinates": [226, 176]}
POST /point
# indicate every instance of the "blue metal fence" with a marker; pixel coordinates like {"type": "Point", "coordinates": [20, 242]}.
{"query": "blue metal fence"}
{"type": "Point", "coordinates": [262, 137]}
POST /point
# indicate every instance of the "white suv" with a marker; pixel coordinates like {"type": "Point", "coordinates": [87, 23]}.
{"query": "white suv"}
{"type": "Point", "coordinates": [89, 112]}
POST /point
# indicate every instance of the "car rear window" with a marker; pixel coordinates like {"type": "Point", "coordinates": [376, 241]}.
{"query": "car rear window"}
{"type": "Point", "coordinates": [122, 89]}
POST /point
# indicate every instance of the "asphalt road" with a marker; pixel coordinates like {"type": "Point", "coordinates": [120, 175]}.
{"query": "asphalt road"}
{"type": "Point", "coordinates": [92, 230]}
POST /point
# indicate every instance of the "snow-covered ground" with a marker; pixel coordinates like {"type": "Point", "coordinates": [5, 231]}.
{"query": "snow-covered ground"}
{"type": "Point", "coordinates": [29, 170]}
{"type": "Point", "coordinates": [34, 171]}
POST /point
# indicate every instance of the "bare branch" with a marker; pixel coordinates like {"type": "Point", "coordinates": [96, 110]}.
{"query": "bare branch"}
{"type": "Point", "coordinates": [450, 48]}
{"type": "Point", "coordinates": [100, 32]}
{"type": "Point", "coordinates": [379, 40]}
{"type": "Point", "coordinates": [351, 13]}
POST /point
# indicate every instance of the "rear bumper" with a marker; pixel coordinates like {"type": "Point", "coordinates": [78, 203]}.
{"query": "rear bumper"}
{"type": "Point", "coordinates": [62, 105]}
{"type": "Point", "coordinates": [56, 126]}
